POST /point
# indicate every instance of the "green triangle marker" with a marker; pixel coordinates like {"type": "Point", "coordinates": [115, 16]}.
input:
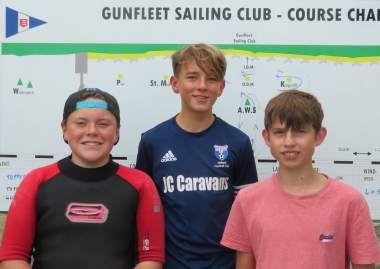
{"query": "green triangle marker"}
{"type": "Point", "coordinates": [19, 83]}
{"type": "Point", "coordinates": [30, 85]}
{"type": "Point", "coordinates": [247, 103]}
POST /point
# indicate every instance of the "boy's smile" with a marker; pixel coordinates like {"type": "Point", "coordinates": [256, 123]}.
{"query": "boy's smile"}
{"type": "Point", "coordinates": [293, 148]}
{"type": "Point", "coordinates": [198, 90]}
{"type": "Point", "coordinates": [91, 134]}
{"type": "Point", "coordinates": [290, 154]}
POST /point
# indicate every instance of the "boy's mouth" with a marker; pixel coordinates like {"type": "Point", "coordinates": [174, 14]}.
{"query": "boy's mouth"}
{"type": "Point", "coordinates": [91, 143]}
{"type": "Point", "coordinates": [290, 153]}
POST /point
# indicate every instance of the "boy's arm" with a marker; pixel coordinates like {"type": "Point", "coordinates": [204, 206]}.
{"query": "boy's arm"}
{"type": "Point", "coordinates": [147, 265]}
{"type": "Point", "coordinates": [237, 237]}
{"type": "Point", "coordinates": [363, 266]}
{"type": "Point", "coordinates": [363, 250]}
{"type": "Point", "coordinates": [245, 173]}
{"type": "Point", "coordinates": [21, 221]}
{"type": "Point", "coordinates": [143, 160]}
{"type": "Point", "coordinates": [245, 260]}
{"type": "Point", "coordinates": [150, 225]}
{"type": "Point", "coordinates": [15, 264]}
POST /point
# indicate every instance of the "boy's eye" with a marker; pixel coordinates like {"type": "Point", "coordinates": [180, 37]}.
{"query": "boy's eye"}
{"type": "Point", "coordinates": [300, 131]}
{"type": "Point", "coordinates": [103, 124]}
{"type": "Point", "coordinates": [213, 79]}
{"type": "Point", "coordinates": [191, 77]}
{"type": "Point", "coordinates": [278, 132]}
{"type": "Point", "coordinates": [80, 123]}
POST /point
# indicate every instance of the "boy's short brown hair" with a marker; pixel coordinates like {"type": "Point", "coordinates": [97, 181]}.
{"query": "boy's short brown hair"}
{"type": "Point", "coordinates": [209, 58]}
{"type": "Point", "coordinates": [296, 109]}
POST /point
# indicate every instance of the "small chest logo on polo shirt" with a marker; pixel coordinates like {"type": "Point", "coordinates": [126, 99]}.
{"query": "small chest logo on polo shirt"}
{"type": "Point", "coordinates": [326, 238]}
{"type": "Point", "coordinates": [168, 157]}
{"type": "Point", "coordinates": [86, 213]}
{"type": "Point", "coordinates": [221, 153]}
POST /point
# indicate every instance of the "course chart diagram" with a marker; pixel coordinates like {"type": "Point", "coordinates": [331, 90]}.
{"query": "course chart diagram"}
{"type": "Point", "coordinates": [125, 48]}
{"type": "Point", "coordinates": [141, 82]}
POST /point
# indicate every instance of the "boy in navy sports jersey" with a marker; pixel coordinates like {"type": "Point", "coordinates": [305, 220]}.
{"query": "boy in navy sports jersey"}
{"type": "Point", "coordinates": [85, 211]}
{"type": "Point", "coordinates": [198, 163]}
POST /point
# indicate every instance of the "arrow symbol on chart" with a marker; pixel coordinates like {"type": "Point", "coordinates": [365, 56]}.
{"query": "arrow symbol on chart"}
{"type": "Point", "coordinates": [288, 77]}
{"type": "Point", "coordinates": [366, 153]}
{"type": "Point", "coordinates": [245, 74]}
{"type": "Point", "coordinates": [297, 71]}
{"type": "Point", "coordinates": [255, 128]}
{"type": "Point", "coordinates": [243, 94]}
{"type": "Point", "coordinates": [277, 76]}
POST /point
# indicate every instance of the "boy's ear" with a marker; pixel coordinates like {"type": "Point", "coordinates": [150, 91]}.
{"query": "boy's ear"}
{"type": "Point", "coordinates": [173, 82]}
{"type": "Point", "coordinates": [321, 135]}
{"type": "Point", "coordinates": [222, 86]}
{"type": "Point", "coordinates": [117, 135]}
{"type": "Point", "coordinates": [64, 128]}
{"type": "Point", "coordinates": [265, 134]}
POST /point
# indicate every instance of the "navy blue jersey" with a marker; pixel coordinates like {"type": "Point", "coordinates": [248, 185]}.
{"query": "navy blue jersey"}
{"type": "Point", "coordinates": [197, 176]}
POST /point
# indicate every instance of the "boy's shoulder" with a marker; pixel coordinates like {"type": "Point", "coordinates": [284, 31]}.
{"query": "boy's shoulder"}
{"type": "Point", "coordinates": [127, 172]}
{"type": "Point", "coordinates": [44, 172]}
{"type": "Point", "coordinates": [47, 170]}
{"type": "Point", "coordinates": [345, 191]}
{"type": "Point", "coordinates": [40, 175]}
{"type": "Point", "coordinates": [229, 128]}
{"type": "Point", "coordinates": [258, 189]}
{"type": "Point", "coordinates": [137, 178]}
{"type": "Point", "coordinates": [161, 128]}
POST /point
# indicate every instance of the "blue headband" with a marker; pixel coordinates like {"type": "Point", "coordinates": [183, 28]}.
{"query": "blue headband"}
{"type": "Point", "coordinates": [92, 104]}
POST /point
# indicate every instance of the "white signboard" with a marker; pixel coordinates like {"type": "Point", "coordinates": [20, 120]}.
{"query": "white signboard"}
{"type": "Point", "coordinates": [51, 49]}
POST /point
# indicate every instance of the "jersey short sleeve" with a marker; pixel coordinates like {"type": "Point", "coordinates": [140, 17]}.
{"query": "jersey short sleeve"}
{"type": "Point", "coordinates": [362, 246]}
{"type": "Point", "coordinates": [149, 218]}
{"type": "Point", "coordinates": [236, 235]}
{"type": "Point", "coordinates": [144, 161]}
{"type": "Point", "coordinates": [245, 173]}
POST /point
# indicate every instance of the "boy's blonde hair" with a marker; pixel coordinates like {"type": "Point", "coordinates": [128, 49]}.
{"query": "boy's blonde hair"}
{"type": "Point", "coordinates": [209, 58]}
{"type": "Point", "coordinates": [296, 109]}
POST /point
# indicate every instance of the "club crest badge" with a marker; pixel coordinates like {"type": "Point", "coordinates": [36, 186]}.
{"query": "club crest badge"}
{"type": "Point", "coordinates": [221, 152]}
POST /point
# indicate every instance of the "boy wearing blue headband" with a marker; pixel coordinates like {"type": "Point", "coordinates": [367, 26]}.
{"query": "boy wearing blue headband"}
{"type": "Point", "coordinates": [85, 211]}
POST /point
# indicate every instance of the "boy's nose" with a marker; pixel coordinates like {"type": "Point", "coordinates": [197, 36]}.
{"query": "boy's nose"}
{"type": "Point", "coordinates": [202, 84]}
{"type": "Point", "coordinates": [92, 129]}
{"type": "Point", "coordinates": [289, 139]}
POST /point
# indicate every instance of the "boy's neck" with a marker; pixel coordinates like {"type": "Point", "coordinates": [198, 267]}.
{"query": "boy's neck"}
{"type": "Point", "coordinates": [301, 183]}
{"type": "Point", "coordinates": [194, 123]}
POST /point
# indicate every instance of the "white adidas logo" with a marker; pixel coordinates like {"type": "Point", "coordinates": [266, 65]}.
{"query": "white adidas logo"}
{"type": "Point", "coordinates": [168, 157]}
